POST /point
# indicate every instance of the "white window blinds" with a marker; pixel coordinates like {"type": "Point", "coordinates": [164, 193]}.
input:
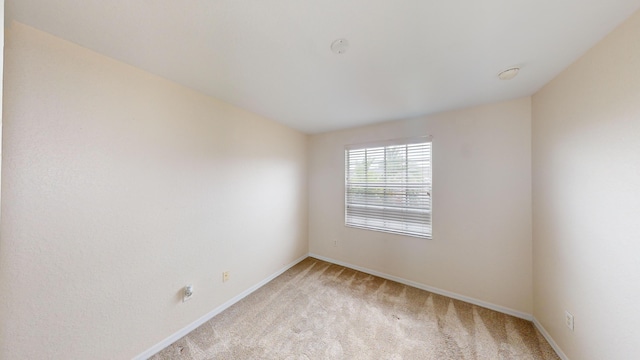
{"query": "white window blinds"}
{"type": "Point", "coordinates": [388, 187]}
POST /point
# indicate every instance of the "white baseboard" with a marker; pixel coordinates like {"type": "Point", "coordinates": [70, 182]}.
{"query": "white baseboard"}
{"type": "Point", "coordinates": [546, 335]}
{"type": "Point", "coordinates": [434, 290]}
{"type": "Point", "coordinates": [178, 335]}
{"type": "Point", "coordinates": [470, 300]}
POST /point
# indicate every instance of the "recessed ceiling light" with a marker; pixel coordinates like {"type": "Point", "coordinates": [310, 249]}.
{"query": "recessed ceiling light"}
{"type": "Point", "coordinates": [509, 73]}
{"type": "Point", "coordinates": [339, 46]}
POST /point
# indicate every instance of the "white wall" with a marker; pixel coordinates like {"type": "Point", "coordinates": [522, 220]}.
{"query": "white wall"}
{"type": "Point", "coordinates": [1, 79]}
{"type": "Point", "coordinates": [119, 188]}
{"type": "Point", "coordinates": [481, 245]}
{"type": "Point", "coordinates": [586, 214]}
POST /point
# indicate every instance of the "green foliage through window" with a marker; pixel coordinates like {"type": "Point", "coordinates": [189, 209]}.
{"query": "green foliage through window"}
{"type": "Point", "coordinates": [388, 188]}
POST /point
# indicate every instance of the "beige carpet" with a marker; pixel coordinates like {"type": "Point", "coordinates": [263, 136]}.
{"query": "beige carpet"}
{"type": "Point", "coordinates": [318, 310]}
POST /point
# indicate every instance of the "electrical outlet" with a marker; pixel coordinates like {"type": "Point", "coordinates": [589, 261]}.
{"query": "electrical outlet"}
{"type": "Point", "coordinates": [568, 320]}
{"type": "Point", "coordinates": [335, 242]}
{"type": "Point", "coordinates": [187, 294]}
{"type": "Point", "coordinates": [225, 276]}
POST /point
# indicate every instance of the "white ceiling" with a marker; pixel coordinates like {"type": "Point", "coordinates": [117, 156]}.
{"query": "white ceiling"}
{"type": "Point", "coordinates": [406, 57]}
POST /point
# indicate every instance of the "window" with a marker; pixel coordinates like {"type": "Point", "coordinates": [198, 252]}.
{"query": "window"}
{"type": "Point", "coordinates": [388, 187]}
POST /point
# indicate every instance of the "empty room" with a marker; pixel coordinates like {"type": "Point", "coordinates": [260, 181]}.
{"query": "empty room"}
{"type": "Point", "coordinates": [278, 179]}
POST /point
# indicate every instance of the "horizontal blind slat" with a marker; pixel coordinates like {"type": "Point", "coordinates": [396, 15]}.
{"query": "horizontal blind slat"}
{"type": "Point", "coordinates": [388, 188]}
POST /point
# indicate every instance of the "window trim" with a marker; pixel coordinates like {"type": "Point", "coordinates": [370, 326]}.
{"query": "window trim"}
{"type": "Point", "coordinates": [391, 142]}
{"type": "Point", "coordinates": [388, 143]}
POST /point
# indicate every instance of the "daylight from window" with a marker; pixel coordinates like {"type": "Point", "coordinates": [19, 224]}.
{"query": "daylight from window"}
{"type": "Point", "coordinates": [388, 188]}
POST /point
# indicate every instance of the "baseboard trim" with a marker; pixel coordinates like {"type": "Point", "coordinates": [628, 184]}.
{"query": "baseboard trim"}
{"type": "Point", "coordinates": [189, 328]}
{"type": "Point", "coordinates": [181, 333]}
{"type": "Point", "coordinates": [498, 308]}
{"type": "Point", "coordinates": [550, 340]}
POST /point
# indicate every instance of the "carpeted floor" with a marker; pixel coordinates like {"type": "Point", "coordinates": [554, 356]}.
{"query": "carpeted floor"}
{"type": "Point", "coordinates": [317, 310]}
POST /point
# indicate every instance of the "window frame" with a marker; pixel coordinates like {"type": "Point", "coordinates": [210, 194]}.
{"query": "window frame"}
{"type": "Point", "coordinates": [428, 189]}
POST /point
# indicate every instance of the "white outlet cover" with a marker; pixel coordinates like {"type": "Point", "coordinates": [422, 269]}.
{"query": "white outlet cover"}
{"type": "Point", "coordinates": [568, 318]}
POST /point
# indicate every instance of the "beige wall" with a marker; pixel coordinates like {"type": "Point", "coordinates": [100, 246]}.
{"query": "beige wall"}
{"type": "Point", "coordinates": [481, 245]}
{"type": "Point", "coordinates": [1, 82]}
{"type": "Point", "coordinates": [586, 214]}
{"type": "Point", "coordinates": [119, 188]}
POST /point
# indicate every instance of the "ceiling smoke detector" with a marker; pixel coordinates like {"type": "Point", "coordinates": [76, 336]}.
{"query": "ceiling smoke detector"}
{"type": "Point", "coordinates": [509, 73]}
{"type": "Point", "coordinates": [339, 46]}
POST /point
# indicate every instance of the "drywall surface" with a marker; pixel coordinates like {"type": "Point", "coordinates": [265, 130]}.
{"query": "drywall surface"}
{"type": "Point", "coordinates": [119, 188]}
{"type": "Point", "coordinates": [481, 245]}
{"type": "Point", "coordinates": [1, 77]}
{"type": "Point", "coordinates": [586, 181]}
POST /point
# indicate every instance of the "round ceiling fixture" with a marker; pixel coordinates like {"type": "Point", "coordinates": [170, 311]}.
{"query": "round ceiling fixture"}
{"type": "Point", "coordinates": [509, 73]}
{"type": "Point", "coordinates": [339, 46]}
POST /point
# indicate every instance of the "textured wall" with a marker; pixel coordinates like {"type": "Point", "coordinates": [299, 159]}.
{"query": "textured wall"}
{"type": "Point", "coordinates": [481, 245]}
{"type": "Point", "coordinates": [119, 188]}
{"type": "Point", "coordinates": [586, 167]}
